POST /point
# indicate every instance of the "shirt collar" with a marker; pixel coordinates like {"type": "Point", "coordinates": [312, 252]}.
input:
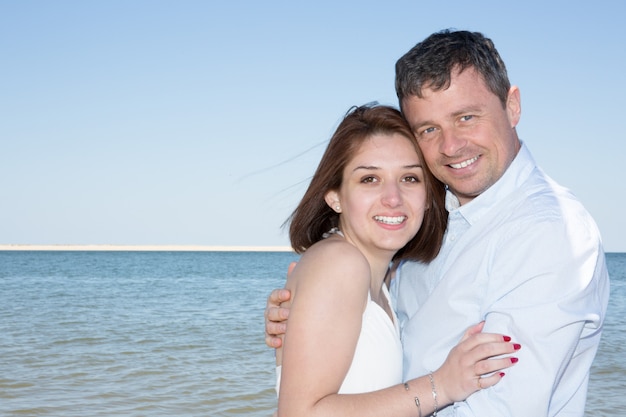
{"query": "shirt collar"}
{"type": "Point", "coordinates": [519, 170]}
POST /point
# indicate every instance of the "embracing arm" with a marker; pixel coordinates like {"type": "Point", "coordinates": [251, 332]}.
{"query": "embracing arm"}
{"type": "Point", "coordinates": [455, 380]}
{"type": "Point", "coordinates": [324, 325]}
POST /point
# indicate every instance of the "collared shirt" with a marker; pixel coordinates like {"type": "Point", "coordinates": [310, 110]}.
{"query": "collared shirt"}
{"type": "Point", "coordinates": [526, 257]}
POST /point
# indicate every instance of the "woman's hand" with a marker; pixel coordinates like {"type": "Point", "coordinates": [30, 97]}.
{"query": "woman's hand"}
{"type": "Point", "coordinates": [475, 363]}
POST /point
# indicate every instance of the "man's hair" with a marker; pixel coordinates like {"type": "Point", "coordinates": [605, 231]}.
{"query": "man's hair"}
{"type": "Point", "coordinates": [430, 64]}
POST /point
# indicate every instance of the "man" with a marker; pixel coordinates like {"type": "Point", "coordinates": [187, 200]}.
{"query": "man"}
{"type": "Point", "coordinates": [520, 252]}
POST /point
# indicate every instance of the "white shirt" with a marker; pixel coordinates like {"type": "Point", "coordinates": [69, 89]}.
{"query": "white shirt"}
{"type": "Point", "coordinates": [526, 257]}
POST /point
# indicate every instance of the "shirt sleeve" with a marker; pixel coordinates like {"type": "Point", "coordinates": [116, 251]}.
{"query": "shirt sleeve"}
{"type": "Point", "coordinates": [548, 290]}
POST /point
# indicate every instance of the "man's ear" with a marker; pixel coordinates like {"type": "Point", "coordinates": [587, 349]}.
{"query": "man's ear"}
{"type": "Point", "coordinates": [514, 106]}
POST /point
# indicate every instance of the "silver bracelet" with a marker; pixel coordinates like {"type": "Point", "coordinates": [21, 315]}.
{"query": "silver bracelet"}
{"type": "Point", "coordinates": [417, 400]}
{"type": "Point", "coordinates": [434, 390]}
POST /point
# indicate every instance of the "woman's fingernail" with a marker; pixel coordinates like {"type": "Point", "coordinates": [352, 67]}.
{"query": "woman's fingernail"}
{"type": "Point", "coordinates": [517, 346]}
{"type": "Point", "coordinates": [514, 360]}
{"type": "Point", "coordinates": [502, 374]}
{"type": "Point", "coordinates": [507, 338]}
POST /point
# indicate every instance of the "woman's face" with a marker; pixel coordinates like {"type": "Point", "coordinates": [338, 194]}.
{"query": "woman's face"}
{"type": "Point", "coordinates": [383, 195]}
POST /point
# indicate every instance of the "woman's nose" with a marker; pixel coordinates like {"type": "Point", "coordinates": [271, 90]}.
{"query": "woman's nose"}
{"type": "Point", "coordinates": [391, 195]}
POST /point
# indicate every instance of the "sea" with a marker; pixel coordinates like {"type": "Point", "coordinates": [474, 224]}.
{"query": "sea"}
{"type": "Point", "coordinates": [104, 333]}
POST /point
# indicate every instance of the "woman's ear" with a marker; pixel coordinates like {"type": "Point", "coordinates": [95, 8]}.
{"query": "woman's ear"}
{"type": "Point", "coordinates": [332, 199]}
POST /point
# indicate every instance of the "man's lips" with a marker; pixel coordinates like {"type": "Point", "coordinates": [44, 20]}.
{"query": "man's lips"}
{"type": "Point", "coordinates": [464, 164]}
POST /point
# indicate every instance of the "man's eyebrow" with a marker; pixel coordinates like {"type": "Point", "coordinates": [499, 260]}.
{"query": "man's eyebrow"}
{"type": "Point", "coordinates": [468, 109]}
{"type": "Point", "coordinates": [419, 125]}
{"type": "Point", "coordinates": [457, 113]}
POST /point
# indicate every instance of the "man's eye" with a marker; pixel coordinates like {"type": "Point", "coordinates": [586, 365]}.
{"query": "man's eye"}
{"type": "Point", "coordinates": [466, 118]}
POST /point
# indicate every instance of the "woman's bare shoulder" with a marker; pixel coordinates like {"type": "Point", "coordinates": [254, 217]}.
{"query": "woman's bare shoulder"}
{"type": "Point", "coordinates": [332, 259]}
{"type": "Point", "coordinates": [337, 252]}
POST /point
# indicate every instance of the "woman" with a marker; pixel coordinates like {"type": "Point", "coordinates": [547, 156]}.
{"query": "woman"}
{"type": "Point", "coordinates": [371, 201]}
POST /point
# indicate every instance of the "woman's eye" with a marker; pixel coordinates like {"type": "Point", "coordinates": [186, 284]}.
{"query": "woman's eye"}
{"type": "Point", "coordinates": [410, 178]}
{"type": "Point", "coordinates": [368, 180]}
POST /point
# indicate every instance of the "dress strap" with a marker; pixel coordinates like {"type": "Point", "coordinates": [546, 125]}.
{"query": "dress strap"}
{"type": "Point", "coordinates": [333, 231]}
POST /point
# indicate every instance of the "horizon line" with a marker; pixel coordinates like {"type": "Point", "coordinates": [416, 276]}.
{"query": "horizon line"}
{"type": "Point", "coordinates": [142, 248]}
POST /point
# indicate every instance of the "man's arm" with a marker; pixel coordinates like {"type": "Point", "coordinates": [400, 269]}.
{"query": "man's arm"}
{"type": "Point", "coordinates": [553, 302]}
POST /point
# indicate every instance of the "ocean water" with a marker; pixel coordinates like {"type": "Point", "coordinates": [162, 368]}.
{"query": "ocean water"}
{"type": "Point", "coordinates": [175, 334]}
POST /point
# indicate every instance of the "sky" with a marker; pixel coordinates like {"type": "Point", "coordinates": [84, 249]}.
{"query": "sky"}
{"type": "Point", "coordinates": [147, 122]}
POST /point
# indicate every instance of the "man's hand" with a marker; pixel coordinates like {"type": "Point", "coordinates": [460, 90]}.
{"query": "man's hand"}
{"type": "Point", "coordinates": [275, 316]}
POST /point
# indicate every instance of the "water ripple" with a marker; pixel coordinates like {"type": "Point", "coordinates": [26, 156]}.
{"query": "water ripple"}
{"type": "Point", "coordinates": [172, 334]}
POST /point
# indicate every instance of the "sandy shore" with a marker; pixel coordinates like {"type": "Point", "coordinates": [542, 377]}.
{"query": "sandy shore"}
{"type": "Point", "coordinates": [154, 248]}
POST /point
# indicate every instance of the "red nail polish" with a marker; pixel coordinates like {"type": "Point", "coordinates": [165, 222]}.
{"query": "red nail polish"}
{"type": "Point", "coordinates": [517, 346]}
{"type": "Point", "coordinates": [502, 374]}
{"type": "Point", "coordinates": [507, 338]}
{"type": "Point", "coordinates": [514, 360]}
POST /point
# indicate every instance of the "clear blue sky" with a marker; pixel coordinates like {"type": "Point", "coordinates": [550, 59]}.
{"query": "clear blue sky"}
{"type": "Point", "coordinates": [181, 122]}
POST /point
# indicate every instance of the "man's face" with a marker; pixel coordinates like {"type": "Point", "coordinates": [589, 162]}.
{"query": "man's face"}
{"type": "Point", "coordinates": [468, 139]}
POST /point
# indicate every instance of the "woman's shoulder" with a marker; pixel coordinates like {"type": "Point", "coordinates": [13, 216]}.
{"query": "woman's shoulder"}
{"type": "Point", "coordinates": [337, 251]}
{"type": "Point", "coordinates": [332, 259]}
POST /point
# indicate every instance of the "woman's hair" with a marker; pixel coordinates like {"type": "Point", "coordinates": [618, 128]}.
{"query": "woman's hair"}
{"type": "Point", "coordinates": [312, 218]}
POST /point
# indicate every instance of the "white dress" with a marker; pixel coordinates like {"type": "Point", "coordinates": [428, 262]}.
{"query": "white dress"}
{"type": "Point", "coordinates": [377, 361]}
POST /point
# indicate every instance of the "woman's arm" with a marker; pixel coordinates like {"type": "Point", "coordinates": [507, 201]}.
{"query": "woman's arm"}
{"type": "Point", "coordinates": [324, 325]}
{"type": "Point", "coordinates": [454, 381]}
{"type": "Point", "coordinates": [329, 289]}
